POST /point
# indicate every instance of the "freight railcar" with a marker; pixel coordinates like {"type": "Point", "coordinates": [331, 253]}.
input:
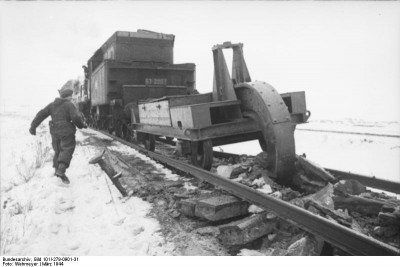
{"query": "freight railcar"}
{"type": "Point", "coordinates": [127, 68]}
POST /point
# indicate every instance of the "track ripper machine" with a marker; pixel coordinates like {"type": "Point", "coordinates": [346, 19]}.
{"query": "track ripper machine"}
{"type": "Point", "coordinates": [237, 110]}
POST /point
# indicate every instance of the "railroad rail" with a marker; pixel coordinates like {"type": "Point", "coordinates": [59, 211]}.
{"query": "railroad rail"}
{"type": "Point", "coordinates": [374, 182]}
{"type": "Point", "coordinates": [339, 236]}
{"type": "Point", "coordinates": [378, 183]}
{"type": "Point", "coordinates": [354, 133]}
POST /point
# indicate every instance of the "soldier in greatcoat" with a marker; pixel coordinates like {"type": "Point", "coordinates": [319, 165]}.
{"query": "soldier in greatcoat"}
{"type": "Point", "coordinates": [64, 118]}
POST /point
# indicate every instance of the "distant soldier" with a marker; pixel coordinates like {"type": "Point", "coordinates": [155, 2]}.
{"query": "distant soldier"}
{"type": "Point", "coordinates": [64, 118]}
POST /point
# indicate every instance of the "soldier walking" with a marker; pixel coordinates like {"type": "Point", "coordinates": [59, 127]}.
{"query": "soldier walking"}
{"type": "Point", "coordinates": [64, 118]}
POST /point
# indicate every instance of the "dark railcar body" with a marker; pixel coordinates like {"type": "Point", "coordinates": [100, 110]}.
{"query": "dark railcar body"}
{"type": "Point", "coordinates": [140, 46]}
{"type": "Point", "coordinates": [109, 79]}
{"type": "Point", "coordinates": [130, 67]}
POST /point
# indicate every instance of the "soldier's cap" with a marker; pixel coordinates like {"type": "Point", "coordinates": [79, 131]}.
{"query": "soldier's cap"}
{"type": "Point", "coordinates": [65, 92]}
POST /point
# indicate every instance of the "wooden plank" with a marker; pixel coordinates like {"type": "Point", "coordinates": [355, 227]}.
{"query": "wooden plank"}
{"type": "Point", "coordinates": [359, 204]}
{"type": "Point", "coordinates": [375, 182]}
{"type": "Point", "coordinates": [246, 230]}
{"type": "Point", "coordinates": [220, 208]}
{"type": "Point", "coordinates": [317, 171]}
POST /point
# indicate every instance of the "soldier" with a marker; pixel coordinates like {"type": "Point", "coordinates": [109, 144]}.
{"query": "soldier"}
{"type": "Point", "coordinates": [64, 117]}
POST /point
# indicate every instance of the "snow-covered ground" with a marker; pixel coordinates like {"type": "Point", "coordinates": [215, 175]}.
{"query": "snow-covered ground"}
{"type": "Point", "coordinates": [42, 216]}
{"type": "Point", "coordinates": [354, 126]}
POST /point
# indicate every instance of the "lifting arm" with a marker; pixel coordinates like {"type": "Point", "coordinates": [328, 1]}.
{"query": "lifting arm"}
{"type": "Point", "coordinates": [223, 83]}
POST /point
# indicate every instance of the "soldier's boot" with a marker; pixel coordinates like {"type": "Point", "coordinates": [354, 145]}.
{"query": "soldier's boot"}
{"type": "Point", "coordinates": [60, 172]}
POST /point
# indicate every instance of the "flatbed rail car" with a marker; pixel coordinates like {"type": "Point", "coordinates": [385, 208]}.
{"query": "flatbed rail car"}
{"type": "Point", "coordinates": [237, 110]}
{"type": "Point", "coordinates": [129, 67]}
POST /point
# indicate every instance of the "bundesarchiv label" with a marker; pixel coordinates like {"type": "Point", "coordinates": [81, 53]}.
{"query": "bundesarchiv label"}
{"type": "Point", "coordinates": [37, 261]}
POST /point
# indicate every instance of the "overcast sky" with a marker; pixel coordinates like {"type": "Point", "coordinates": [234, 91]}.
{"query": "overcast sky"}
{"type": "Point", "coordinates": [345, 55]}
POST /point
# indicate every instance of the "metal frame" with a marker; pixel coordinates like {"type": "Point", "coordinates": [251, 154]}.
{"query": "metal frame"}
{"type": "Point", "coordinates": [239, 127]}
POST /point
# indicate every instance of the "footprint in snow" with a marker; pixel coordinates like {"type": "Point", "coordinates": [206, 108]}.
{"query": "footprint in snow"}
{"type": "Point", "coordinates": [95, 212]}
{"type": "Point", "coordinates": [73, 244]}
{"type": "Point", "coordinates": [89, 199]}
{"type": "Point", "coordinates": [64, 205]}
{"type": "Point", "coordinates": [140, 248]}
{"type": "Point", "coordinates": [119, 221]}
{"type": "Point", "coordinates": [130, 209]}
{"type": "Point", "coordinates": [55, 228]}
{"type": "Point", "coordinates": [137, 231]}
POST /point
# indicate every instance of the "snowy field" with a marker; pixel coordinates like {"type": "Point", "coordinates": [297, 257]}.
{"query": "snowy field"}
{"type": "Point", "coordinates": [42, 216]}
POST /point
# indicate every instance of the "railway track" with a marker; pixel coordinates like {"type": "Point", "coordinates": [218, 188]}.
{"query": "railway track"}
{"type": "Point", "coordinates": [374, 182]}
{"type": "Point", "coordinates": [339, 236]}
{"type": "Point", "coordinates": [353, 133]}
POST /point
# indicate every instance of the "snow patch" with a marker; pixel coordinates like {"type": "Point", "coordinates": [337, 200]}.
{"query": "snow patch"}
{"type": "Point", "coordinates": [249, 252]}
{"type": "Point", "coordinates": [189, 187]}
{"type": "Point", "coordinates": [255, 209]}
{"type": "Point", "coordinates": [43, 216]}
{"type": "Point", "coordinates": [266, 189]}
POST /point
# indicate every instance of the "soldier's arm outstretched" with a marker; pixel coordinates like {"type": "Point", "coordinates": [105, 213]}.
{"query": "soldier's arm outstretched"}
{"type": "Point", "coordinates": [39, 118]}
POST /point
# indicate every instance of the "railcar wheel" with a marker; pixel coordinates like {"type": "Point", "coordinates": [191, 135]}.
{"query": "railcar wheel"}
{"type": "Point", "coordinates": [202, 154]}
{"type": "Point", "coordinates": [149, 142]}
{"type": "Point", "coordinates": [266, 107]}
